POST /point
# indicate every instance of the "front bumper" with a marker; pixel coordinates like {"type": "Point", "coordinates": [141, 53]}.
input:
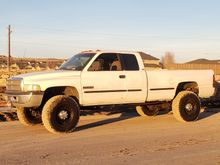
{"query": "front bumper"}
{"type": "Point", "coordinates": [25, 99]}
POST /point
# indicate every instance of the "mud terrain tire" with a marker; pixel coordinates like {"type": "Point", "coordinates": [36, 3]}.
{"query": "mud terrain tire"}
{"type": "Point", "coordinates": [186, 106]}
{"type": "Point", "coordinates": [146, 111]}
{"type": "Point", "coordinates": [60, 114]}
{"type": "Point", "coordinates": [26, 117]}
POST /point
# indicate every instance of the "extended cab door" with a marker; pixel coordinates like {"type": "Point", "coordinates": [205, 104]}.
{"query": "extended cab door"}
{"type": "Point", "coordinates": [135, 77]}
{"type": "Point", "coordinates": [104, 81]}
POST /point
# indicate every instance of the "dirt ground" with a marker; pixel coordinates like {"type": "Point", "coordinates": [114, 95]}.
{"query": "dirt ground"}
{"type": "Point", "coordinates": [122, 138]}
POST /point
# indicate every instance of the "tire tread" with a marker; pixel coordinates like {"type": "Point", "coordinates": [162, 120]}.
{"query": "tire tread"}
{"type": "Point", "coordinates": [47, 110]}
{"type": "Point", "coordinates": [176, 105]}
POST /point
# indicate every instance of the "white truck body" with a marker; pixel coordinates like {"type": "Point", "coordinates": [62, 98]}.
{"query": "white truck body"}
{"type": "Point", "coordinates": [106, 78]}
{"type": "Point", "coordinates": [106, 87]}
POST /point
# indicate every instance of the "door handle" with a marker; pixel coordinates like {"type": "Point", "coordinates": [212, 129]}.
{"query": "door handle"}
{"type": "Point", "coordinates": [122, 76]}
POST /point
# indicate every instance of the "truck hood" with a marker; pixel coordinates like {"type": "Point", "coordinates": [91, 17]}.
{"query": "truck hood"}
{"type": "Point", "coordinates": [48, 75]}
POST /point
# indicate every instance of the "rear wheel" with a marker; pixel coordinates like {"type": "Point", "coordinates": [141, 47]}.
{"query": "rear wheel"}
{"type": "Point", "coordinates": [186, 106]}
{"type": "Point", "coordinates": [147, 111]}
{"type": "Point", "coordinates": [28, 116]}
{"type": "Point", "coordinates": [60, 114]}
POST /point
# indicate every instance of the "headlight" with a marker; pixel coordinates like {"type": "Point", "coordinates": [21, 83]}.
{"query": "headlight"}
{"type": "Point", "coordinates": [31, 87]}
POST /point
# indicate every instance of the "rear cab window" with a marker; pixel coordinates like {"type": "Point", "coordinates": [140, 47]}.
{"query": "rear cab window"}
{"type": "Point", "coordinates": [129, 62]}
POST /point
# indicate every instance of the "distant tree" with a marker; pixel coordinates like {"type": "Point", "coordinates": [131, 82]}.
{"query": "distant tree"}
{"type": "Point", "coordinates": [168, 59]}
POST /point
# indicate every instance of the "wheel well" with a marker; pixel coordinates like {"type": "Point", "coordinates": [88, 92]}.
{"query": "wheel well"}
{"type": "Point", "coordinates": [63, 90]}
{"type": "Point", "coordinates": [188, 86]}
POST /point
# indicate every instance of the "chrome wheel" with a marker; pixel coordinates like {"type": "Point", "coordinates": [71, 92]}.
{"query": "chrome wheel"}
{"type": "Point", "coordinates": [63, 115]}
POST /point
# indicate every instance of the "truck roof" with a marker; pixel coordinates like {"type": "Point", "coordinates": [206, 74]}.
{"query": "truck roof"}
{"type": "Point", "coordinates": [108, 51]}
{"type": "Point", "coordinates": [143, 55]}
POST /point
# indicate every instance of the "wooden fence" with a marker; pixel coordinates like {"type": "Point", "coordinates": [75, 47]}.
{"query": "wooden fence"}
{"type": "Point", "coordinates": [214, 67]}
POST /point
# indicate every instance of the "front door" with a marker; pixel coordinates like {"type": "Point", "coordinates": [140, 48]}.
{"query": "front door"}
{"type": "Point", "coordinates": [104, 81]}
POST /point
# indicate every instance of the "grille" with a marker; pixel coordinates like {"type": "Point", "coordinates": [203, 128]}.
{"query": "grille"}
{"type": "Point", "coordinates": [14, 85]}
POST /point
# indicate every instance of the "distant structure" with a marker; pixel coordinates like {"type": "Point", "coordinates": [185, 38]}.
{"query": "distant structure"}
{"type": "Point", "coordinates": [150, 62]}
{"type": "Point", "coordinates": [204, 61]}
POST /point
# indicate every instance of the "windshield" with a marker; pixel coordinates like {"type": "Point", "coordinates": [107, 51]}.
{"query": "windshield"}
{"type": "Point", "coordinates": [77, 62]}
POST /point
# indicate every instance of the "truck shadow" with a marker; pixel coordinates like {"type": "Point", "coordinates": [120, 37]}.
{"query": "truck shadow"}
{"type": "Point", "coordinates": [208, 112]}
{"type": "Point", "coordinates": [123, 116]}
{"type": "Point", "coordinates": [124, 113]}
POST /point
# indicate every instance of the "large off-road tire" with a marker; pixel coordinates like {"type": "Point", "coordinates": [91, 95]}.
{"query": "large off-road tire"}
{"type": "Point", "coordinates": [28, 116]}
{"type": "Point", "coordinates": [60, 114]}
{"type": "Point", "coordinates": [186, 106]}
{"type": "Point", "coordinates": [147, 111]}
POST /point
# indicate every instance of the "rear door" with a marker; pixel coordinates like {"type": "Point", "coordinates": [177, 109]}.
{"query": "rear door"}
{"type": "Point", "coordinates": [136, 80]}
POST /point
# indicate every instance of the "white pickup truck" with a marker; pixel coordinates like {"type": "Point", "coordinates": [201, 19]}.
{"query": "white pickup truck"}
{"type": "Point", "coordinates": [96, 78]}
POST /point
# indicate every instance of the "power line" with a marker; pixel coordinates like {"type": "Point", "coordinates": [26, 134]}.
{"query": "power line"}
{"type": "Point", "coordinates": [117, 35]}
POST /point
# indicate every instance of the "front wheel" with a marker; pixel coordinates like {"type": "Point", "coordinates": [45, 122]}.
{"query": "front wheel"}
{"type": "Point", "coordinates": [60, 114]}
{"type": "Point", "coordinates": [28, 116]}
{"type": "Point", "coordinates": [186, 106]}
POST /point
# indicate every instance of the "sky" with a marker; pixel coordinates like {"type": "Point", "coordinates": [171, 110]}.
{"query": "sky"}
{"type": "Point", "coordinates": [190, 29]}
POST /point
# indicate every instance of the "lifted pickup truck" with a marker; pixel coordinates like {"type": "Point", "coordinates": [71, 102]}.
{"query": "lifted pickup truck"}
{"type": "Point", "coordinates": [96, 78]}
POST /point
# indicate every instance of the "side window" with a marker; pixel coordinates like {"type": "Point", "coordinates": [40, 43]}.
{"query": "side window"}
{"type": "Point", "coordinates": [129, 62]}
{"type": "Point", "coordinates": [106, 62]}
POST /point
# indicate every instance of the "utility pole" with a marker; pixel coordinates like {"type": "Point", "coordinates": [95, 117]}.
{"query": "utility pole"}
{"type": "Point", "coordinates": [9, 48]}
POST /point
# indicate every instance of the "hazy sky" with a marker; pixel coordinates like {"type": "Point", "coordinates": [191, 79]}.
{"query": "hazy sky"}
{"type": "Point", "coordinates": [51, 28]}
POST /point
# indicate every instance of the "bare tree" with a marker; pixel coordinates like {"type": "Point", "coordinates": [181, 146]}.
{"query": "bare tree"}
{"type": "Point", "coordinates": [168, 59]}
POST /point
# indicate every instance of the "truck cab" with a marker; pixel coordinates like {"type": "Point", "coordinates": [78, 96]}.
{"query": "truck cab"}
{"type": "Point", "coordinates": [113, 78]}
